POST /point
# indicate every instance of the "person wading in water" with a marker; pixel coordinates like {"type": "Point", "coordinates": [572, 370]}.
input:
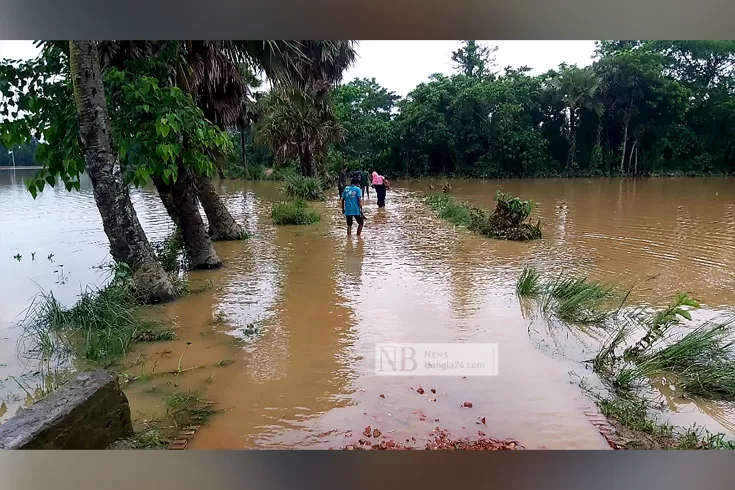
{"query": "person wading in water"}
{"type": "Point", "coordinates": [352, 206]}
{"type": "Point", "coordinates": [365, 183]}
{"type": "Point", "coordinates": [380, 184]}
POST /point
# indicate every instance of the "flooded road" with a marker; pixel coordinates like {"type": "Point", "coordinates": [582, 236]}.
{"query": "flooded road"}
{"type": "Point", "coordinates": [319, 302]}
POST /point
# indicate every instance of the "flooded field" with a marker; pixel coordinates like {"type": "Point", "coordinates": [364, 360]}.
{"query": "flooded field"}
{"type": "Point", "coordinates": [319, 302]}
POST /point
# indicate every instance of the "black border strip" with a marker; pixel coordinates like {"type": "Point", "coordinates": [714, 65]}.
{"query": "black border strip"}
{"type": "Point", "coordinates": [367, 19]}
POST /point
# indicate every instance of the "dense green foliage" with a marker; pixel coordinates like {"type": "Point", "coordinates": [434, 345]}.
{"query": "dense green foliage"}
{"type": "Point", "coordinates": [643, 107]}
{"type": "Point", "coordinates": [156, 127]}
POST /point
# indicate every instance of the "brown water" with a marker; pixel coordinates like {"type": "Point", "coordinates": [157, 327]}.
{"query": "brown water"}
{"type": "Point", "coordinates": [322, 301]}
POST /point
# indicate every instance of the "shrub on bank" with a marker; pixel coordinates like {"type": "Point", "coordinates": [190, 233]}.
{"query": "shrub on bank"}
{"type": "Point", "coordinates": [294, 212]}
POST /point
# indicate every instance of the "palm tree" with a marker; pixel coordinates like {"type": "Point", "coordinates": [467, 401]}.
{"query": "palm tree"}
{"type": "Point", "coordinates": [128, 242]}
{"type": "Point", "coordinates": [576, 87]}
{"type": "Point", "coordinates": [298, 126]}
{"type": "Point", "coordinates": [301, 122]}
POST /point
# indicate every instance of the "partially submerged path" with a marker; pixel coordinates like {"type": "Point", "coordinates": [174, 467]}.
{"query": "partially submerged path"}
{"type": "Point", "coordinates": [322, 301]}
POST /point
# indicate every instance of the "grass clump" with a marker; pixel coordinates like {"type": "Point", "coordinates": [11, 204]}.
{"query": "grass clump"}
{"type": "Point", "coordinates": [99, 328]}
{"type": "Point", "coordinates": [699, 363]}
{"type": "Point", "coordinates": [294, 212]}
{"type": "Point", "coordinates": [450, 210]}
{"type": "Point", "coordinates": [189, 408]}
{"type": "Point", "coordinates": [529, 284]}
{"type": "Point", "coordinates": [505, 223]}
{"type": "Point", "coordinates": [633, 413]}
{"type": "Point", "coordinates": [569, 298]}
{"type": "Point", "coordinates": [305, 188]}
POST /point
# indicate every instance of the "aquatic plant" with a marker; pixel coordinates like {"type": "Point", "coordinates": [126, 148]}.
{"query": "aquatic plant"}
{"type": "Point", "coordinates": [662, 321]}
{"type": "Point", "coordinates": [306, 188]}
{"type": "Point", "coordinates": [294, 212]}
{"type": "Point", "coordinates": [99, 328]}
{"type": "Point", "coordinates": [188, 408]}
{"type": "Point", "coordinates": [529, 284]}
{"type": "Point", "coordinates": [569, 298]}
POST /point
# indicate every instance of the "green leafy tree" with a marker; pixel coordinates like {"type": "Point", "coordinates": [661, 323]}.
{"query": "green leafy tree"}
{"type": "Point", "coordinates": [366, 112]}
{"type": "Point", "coordinates": [473, 59]}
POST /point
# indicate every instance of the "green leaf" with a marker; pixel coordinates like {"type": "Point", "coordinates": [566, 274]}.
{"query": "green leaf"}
{"type": "Point", "coordinates": [685, 314]}
{"type": "Point", "coordinates": [50, 179]}
{"type": "Point", "coordinates": [32, 190]}
{"type": "Point", "coordinates": [146, 108]}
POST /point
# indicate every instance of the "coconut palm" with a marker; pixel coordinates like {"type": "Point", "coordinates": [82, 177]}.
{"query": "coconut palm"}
{"type": "Point", "coordinates": [575, 87]}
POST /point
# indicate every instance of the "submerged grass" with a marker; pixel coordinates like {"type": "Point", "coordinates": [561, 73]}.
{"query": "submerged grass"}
{"type": "Point", "coordinates": [529, 284]}
{"type": "Point", "coordinates": [699, 363]}
{"type": "Point", "coordinates": [99, 328]}
{"type": "Point", "coordinates": [306, 188]}
{"type": "Point", "coordinates": [189, 408]}
{"type": "Point", "coordinates": [571, 299]}
{"type": "Point", "coordinates": [294, 212]}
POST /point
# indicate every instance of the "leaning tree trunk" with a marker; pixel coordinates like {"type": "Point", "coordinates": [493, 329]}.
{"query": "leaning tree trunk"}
{"type": "Point", "coordinates": [199, 250]}
{"type": "Point", "coordinates": [164, 192]}
{"type": "Point", "coordinates": [222, 226]}
{"type": "Point", "coordinates": [128, 242]}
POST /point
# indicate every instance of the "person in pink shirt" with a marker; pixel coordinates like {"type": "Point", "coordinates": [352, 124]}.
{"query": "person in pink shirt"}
{"type": "Point", "coordinates": [380, 184]}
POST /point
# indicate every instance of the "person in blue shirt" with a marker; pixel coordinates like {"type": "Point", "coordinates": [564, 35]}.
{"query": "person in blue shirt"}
{"type": "Point", "coordinates": [352, 205]}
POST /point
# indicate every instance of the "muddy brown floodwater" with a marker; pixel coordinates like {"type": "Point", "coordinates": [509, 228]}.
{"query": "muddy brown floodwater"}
{"type": "Point", "coordinates": [319, 302]}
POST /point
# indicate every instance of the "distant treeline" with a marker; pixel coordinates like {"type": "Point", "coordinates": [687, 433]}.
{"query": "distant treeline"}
{"type": "Point", "coordinates": [642, 108]}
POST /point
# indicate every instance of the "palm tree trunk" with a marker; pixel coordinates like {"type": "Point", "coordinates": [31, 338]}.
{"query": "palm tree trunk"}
{"type": "Point", "coordinates": [128, 242]}
{"type": "Point", "coordinates": [307, 163]}
{"type": "Point", "coordinates": [198, 246]}
{"type": "Point", "coordinates": [222, 226]}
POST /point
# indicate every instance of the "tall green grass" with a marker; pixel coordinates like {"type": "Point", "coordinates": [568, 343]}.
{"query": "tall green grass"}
{"type": "Point", "coordinates": [99, 328]}
{"type": "Point", "coordinates": [450, 210]}
{"type": "Point", "coordinates": [294, 212]}
{"type": "Point", "coordinates": [569, 298]}
{"type": "Point", "coordinates": [529, 284]}
{"type": "Point", "coordinates": [306, 188]}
